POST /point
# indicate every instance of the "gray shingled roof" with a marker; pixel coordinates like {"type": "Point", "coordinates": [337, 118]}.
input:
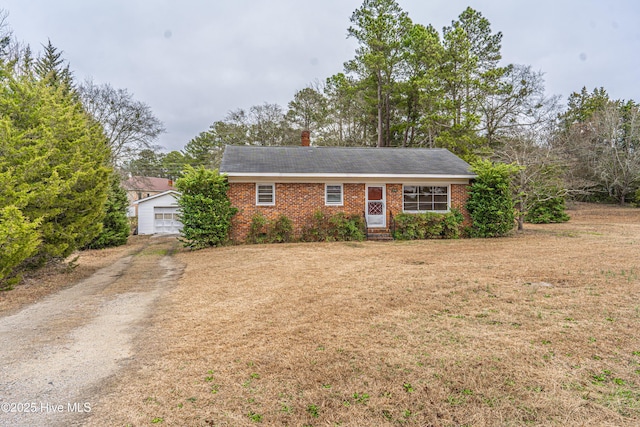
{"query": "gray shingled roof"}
{"type": "Point", "coordinates": [291, 160]}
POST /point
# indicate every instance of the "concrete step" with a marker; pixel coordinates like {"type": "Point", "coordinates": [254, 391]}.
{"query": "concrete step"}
{"type": "Point", "coordinates": [379, 237]}
{"type": "Point", "coordinates": [378, 234]}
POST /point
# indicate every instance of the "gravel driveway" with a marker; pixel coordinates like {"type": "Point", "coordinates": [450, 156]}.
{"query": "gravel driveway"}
{"type": "Point", "coordinates": [57, 355]}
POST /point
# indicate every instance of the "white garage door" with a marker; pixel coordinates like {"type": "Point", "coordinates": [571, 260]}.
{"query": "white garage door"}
{"type": "Point", "coordinates": [166, 221]}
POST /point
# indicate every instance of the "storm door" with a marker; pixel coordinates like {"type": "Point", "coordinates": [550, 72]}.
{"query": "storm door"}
{"type": "Point", "coordinates": [376, 209]}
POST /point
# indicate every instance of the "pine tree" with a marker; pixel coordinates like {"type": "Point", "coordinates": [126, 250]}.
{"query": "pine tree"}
{"type": "Point", "coordinates": [51, 68]}
{"type": "Point", "coordinates": [380, 27]}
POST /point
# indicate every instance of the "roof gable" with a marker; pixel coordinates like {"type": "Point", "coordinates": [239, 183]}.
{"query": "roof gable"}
{"type": "Point", "coordinates": [173, 193]}
{"type": "Point", "coordinates": [341, 161]}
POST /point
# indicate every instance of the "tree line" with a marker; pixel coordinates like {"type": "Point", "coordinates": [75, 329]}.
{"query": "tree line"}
{"type": "Point", "coordinates": [409, 85]}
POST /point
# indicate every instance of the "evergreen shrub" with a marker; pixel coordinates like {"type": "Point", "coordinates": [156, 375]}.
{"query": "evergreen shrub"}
{"type": "Point", "coordinates": [428, 225]}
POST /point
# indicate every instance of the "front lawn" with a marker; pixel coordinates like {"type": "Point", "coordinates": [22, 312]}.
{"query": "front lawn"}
{"type": "Point", "coordinates": [540, 328]}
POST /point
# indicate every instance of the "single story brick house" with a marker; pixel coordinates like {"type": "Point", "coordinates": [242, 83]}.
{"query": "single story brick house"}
{"type": "Point", "coordinates": [376, 183]}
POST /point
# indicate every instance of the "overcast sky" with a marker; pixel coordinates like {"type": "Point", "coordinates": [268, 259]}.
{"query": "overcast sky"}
{"type": "Point", "coordinates": [194, 61]}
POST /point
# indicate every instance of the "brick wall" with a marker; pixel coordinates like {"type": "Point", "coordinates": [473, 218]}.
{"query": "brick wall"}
{"type": "Point", "coordinates": [394, 201]}
{"type": "Point", "coordinates": [459, 197]}
{"type": "Point", "coordinates": [299, 201]}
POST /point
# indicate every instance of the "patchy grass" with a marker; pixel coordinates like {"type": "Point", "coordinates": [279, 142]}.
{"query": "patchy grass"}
{"type": "Point", "coordinates": [536, 329]}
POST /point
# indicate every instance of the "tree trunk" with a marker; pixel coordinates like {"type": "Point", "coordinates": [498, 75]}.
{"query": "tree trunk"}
{"type": "Point", "coordinates": [520, 216]}
{"type": "Point", "coordinates": [387, 113]}
{"type": "Point", "coordinates": [380, 107]}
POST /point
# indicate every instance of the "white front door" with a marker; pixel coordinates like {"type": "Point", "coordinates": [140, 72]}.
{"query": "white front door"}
{"type": "Point", "coordinates": [376, 206]}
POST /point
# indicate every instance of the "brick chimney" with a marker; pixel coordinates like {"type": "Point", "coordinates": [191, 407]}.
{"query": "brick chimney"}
{"type": "Point", "coordinates": [306, 141]}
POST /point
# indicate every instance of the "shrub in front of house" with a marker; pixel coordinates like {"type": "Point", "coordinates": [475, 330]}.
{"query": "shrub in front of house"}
{"type": "Point", "coordinates": [263, 230]}
{"type": "Point", "coordinates": [323, 227]}
{"type": "Point", "coordinates": [490, 202]}
{"type": "Point", "coordinates": [205, 209]}
{"type": "Point", "coordinates": [347, 227]}
{"type": "Point", "coordinates": [428, 225]}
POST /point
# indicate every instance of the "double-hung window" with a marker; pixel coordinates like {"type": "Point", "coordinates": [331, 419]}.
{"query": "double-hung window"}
{"type": "Point", "coordinates": [265, 194]}
{"type": "Point", "coordinates": [333, 194]}
{"type": "Point", "coordinates": [419, 198]}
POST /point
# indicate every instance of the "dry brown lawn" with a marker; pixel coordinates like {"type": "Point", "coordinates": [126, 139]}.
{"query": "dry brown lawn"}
{"type": "Point", "coordinates": [542, 328]}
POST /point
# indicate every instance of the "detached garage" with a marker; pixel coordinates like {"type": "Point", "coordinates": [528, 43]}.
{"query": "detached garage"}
{"type": "Point", "coordinates": [159, 214]}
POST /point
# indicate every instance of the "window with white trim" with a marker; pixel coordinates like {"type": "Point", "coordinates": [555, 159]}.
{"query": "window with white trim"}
{"type": "Point", "coordinates": [265, 194]}
{"type": "Point", "coordinates": [420, 198]}
{"type": "Point", "coordinates": [333, 194]}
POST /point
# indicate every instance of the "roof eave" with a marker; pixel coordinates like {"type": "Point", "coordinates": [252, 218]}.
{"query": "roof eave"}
{"type": "Point", "coordinates": [155, 196]}
{"type": "Point", "coordinates": [347, 175]}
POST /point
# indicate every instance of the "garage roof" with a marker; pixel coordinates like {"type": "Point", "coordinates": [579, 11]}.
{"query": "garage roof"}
{"type": "Point", "coordinates": [146, 199]}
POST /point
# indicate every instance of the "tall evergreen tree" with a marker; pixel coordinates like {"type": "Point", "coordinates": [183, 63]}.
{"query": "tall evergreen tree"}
{"type": "Point", "coordinates": [308, 110]}
{"type": "Point", "coordinates": [380, 27]}
{"type": "Point", "coordinates": [347, 112]}
{"type": "Point", "coordinates": [172, 164]}
{"type": "Point", "coordinates": [57, 159]}
{"type": "Point", "coordinates": [146, 163]}
{"type": "Point", "coordinates": [420, 90]}
{"type": "Point", "coordinates": [582, 106]}
{"type": "Point", "coordinates": [470, 74]}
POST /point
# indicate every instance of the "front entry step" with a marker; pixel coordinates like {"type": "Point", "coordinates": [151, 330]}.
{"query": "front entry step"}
{"type": "Point", "coordinates": [378, 234]}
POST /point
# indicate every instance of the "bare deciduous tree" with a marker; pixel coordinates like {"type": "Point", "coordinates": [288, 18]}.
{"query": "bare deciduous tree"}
{"type": "Point", "coordinates": [615, 155]}
{"type": "Point", "coordinates": [604, 150]}
{"type": "Point", "coordinates": [130, 125]}
{"type": "Point", "coordinates": [520, 102]}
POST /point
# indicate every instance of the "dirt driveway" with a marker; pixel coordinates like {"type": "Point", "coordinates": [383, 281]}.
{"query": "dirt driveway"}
{"type": "Point", "coordinates": [57, 354]}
